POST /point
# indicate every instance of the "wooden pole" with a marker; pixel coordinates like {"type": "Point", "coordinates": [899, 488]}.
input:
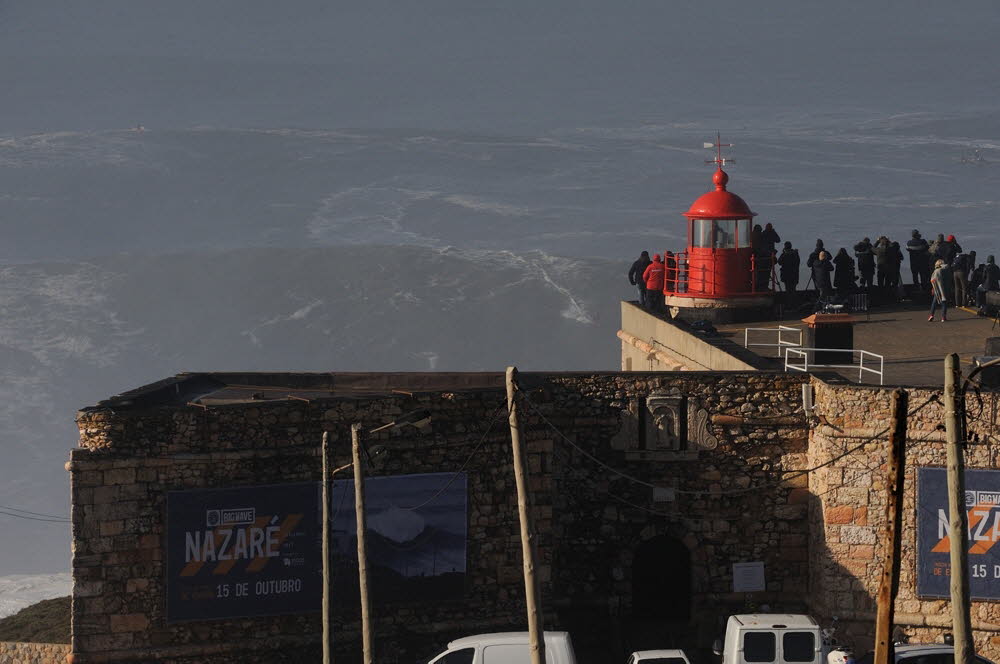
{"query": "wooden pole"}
{"type": "Point", "coordinates": [958, 526]}
{"type": "Point", "coordinates": [893, 523]}
{"type": "Point", "coordinates": [327, 571]}
{"type": "Point", "coordinates": [359, 512]}
{"type": "Point", "coordinates": [535, 629]}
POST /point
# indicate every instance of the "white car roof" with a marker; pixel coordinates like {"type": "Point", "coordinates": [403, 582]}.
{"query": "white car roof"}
{"type": "Point", "coordinates": [496, 638]}
{"type": "Point", "coordinates": [789, 620]}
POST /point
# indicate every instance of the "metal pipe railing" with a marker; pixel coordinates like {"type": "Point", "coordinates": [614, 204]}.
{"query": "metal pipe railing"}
{"type": "Point", "coordinates": [804, 354]}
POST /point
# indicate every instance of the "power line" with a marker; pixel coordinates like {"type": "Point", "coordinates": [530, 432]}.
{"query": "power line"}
{"type": "Point", "coordinates": [18, 509]}
{"type": "Point", "coordinates": [493, 420]}
{"type": "Point", "coordinates": [35, 518]}
{"type": "Point", "coordinates": [730, 492]}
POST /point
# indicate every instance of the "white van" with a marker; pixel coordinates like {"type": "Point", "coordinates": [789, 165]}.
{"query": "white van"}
{"type": "Point", "coordinates": [505, 648]}
{"type": "Point", "coordinates": [772, 638]}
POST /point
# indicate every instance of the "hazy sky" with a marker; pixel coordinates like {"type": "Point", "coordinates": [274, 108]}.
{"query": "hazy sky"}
{"type": "Point", "coordinates": [451, 64]}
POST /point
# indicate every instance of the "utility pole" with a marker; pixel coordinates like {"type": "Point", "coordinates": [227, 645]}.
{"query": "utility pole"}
{"type": "Point", "coordinates": [536, 634]}
{"type": "Point", "coordinates": [893, 521]}
{"type": "Point", "coordinates": [359, 513]}
{"type": "Point", "coordinates": [958, 526]}
{"type": "Point", "coordinates": [327, 572]}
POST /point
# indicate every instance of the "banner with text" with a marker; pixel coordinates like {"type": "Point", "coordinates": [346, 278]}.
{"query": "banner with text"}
{"type": "Point", "coordinates": [982, 500]}
{"type": "Point", "coordinates": [247, 551]}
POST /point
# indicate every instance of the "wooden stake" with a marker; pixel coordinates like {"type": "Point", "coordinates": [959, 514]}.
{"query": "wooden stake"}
{"type": "Point", "coordinates": [958, 526]}
{"type": "Point", "coordinates": [359, 513]}
{"type": "Point", "coordinates": [327, 571]}
{"type": "Point", "coordinates": [535, 630]}
{"type": "Point", "coordinates": [893, 524]}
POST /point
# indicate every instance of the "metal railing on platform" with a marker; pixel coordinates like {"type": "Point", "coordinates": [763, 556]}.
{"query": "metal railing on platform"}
{"type": "Point", "coordinates": [807, 355]}
{"type": "Point", "coordinates": [781, 342]}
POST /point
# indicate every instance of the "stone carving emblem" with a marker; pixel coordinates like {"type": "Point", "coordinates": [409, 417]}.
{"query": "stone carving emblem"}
{"type": "Point", "coordinates": [670, 421]}
{"type": "Point", "coordinates": [666, 422]}
{"type": "Point", "coordinates": [700, 435]}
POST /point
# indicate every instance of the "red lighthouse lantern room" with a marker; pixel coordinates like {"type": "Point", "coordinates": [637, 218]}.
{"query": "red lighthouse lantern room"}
{"type": "Point", "coordinates": [721, 276]}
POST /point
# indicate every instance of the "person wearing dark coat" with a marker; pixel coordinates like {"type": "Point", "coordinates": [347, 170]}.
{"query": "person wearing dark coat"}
{"type": "Point", "coordinates": [670, 276]}
{"type": "Point", "coordinates": [866, 262]}
{"type": "Point", "coordinates": [895, 265]}
{"type": "Point", "coordinates": [788, 264]}
{"type": "Point", "coordinates": [949, 249]}
{"type": "Point", "coordinates": [760, 264]}
{"type": "Point", "coordinates": [920, 257]}
{"type": "Point", "coordinates": [635, 276]}
{"type": "Point", "coordinates": [990, 282]}
{"type": "Point", "coordinates": [814, 256]}
{"type": "Point", "coordinates": [976, 280]}
{"type": "Point", "coordinates": [768, 239]}
{"type": "Point", "coordinates": [843, 277]}
{"type": "Point", "coordinates": [821, 269]}
{"type": "Point", "coordinates": [960, 273]}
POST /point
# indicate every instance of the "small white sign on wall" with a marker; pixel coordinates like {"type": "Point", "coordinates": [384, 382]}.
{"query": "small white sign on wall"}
{"type": "Point", "coordinates": [748, 577]}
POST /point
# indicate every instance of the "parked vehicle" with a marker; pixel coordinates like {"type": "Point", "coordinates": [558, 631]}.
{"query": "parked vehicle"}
{"type": "Point", "coordinates": [505, 648]}
{"type": "Point", "coordinates": [658, 657]}
{"type": "Point", "coordinates": [924, 653]}
{"type": "Point", "coordinates": [774, 638]}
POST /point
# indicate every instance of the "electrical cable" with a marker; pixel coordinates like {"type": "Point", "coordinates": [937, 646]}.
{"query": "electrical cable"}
{"type": "Point", "coordinates": [18, 509]}
{"type": "Point", "coordinates": [730, 492]}
{"type": "Point", "coordinates": [465, 464]}
{"type": "Point", "coordinates": [35, 518]}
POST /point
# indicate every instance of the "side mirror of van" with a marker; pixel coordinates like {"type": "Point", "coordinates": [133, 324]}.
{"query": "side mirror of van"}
{"type": "Point", "coordinates": [717, 647]}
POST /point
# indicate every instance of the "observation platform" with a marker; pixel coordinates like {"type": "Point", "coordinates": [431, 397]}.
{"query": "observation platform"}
{"type": "Point", "coordinates": [913, 348]}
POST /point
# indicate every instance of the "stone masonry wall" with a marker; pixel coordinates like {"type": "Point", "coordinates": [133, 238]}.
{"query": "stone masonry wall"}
{"type": "Point", "coordinates": [33, 653]}
{"type": "Point", "coordinates": [596, 492]}
{"type": "Point", "coordinates": [733, 503]}
{"type": "Point", "coordinates": [848, 511]}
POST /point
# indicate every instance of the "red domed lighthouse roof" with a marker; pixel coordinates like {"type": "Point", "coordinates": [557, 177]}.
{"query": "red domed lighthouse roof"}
{"type": "Point", "coordinates": [720, 204]}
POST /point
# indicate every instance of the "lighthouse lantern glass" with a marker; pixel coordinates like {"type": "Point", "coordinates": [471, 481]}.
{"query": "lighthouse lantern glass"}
{"type": "Point", "coordinates": [743, 230]}
{"type": "Point", "coordinates": [701, 233]}
{"type": "Point", "coordinates": [725, 234]}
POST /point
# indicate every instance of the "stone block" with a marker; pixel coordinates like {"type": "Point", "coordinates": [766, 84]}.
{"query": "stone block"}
{"type": "Point", "coordinates": [857, 535]}
{"type": "Point", "coordinates": [798, 496]}
{"type": "Point", "coordinates": [109, 528]}
{"type": "Point", "coordinates": [862, 552]}
{"type": "Point", "coordinates": [105, 494]}
{"type": "Point", "coordinates": [119, 476]}
{"type": "Point", "coordinates": [861, 516]}
{"type": "Point", "coordinates": [129, 622]}
{"type": "Point", "coordinates": [840, 514]}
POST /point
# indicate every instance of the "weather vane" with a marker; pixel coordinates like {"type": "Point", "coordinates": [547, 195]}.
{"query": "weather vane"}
{"type": "Point", "coordinates": [718, 145]}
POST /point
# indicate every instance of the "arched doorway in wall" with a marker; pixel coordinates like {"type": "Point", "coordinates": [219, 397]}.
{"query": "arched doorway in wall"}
{"type": "Point", "coordinates": [661, 593]}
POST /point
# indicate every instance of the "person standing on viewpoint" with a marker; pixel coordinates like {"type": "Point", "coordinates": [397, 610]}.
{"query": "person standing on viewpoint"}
{"type": "Point", "coordinates": [635, 276]}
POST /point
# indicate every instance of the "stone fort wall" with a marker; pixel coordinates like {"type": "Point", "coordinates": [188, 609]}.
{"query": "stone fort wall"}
{"type": "Point", "coordinates": [848, 515]}
{"type": "Point", "coordinates": [712, 469]}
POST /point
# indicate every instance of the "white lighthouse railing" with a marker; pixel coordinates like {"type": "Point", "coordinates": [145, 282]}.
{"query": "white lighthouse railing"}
{"type": "Point", "coordinates": [799, 359]}
{"type": "Point", "coordinates": [782, 331]}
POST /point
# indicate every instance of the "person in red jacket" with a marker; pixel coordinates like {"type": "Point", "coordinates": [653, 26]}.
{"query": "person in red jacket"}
{"type": "Point", "coordinates": [653, 276]}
